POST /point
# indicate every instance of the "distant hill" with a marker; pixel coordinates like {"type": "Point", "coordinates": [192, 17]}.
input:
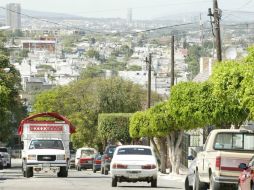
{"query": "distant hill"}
{"type": "Point", "coordinates": [227, 16]}
{"type": "Point", "coordinates": [41, 14]}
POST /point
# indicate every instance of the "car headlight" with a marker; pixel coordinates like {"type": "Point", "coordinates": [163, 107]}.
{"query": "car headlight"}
{"type": "Point", "coordinates": [31, 157]}
{"type": "Point", "coordinates": [61, 157]}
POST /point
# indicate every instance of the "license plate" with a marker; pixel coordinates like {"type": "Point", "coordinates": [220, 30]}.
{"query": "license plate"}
{"type": "Point", "coordinates": [46, 165]}
{"type": "Point", "coordinates": [89, 162]}
{"type": "Point", "coordinates": [133, 176]}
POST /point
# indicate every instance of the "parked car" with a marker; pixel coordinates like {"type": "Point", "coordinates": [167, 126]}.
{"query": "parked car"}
{"type": "Point", "coordinates": [133, 163]}
{"type": "Point", "coordinates": [246, 177]}
{"type": "Point", "coordinates": [84, 158]}
{"type": "Point", "coordinates": [189, 183]}
{"type": "Point", "coordinates": [106, 158]}
{"type": "Point", "coordinates": [72, 159]}
{"type": "Point", "coordinates": [6, 157]}
{"type": "Point", "coordinates": [1, 162]}
{"type": "Point", "coordinates": [97, 163]}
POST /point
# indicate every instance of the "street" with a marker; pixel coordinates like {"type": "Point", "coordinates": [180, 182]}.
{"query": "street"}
{"type": "Point", "coordinates": [12, 179]}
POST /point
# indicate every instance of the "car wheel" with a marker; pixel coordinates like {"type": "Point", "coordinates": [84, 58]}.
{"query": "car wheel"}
{"type": "Point", "coordinates": [187, 184]}
{"type": "Point", "coordinates": [9, 165]}
{"type": "Point", "coordinates": [114, 182]}
{"type": "Point", "coordinates": [63, 172]}
{"type": "Point", "coordinates": [29, 172]}
{"type": "Point", "coordinates": [198, 185]}
{"type": "Point", "coordinates": [154, 183]}
{"type": "Point", "coordinates": [214, 185]}
{"type": "Point", "coordinates": [252, 186]}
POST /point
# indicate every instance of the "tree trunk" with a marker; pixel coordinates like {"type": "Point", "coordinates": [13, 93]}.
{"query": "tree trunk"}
{"type": "Point", "coordinates": [163, 154]}
{"type": "Point", "coordinates": [157, 152]}
{"type": "Point", "coordinates": [174, 140]}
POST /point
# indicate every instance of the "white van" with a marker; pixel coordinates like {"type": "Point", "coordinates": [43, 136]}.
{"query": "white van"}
{"type": "Point", "coordinates": [84, 158]}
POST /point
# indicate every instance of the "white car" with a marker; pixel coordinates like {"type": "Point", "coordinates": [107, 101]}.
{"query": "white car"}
{"type": "Point", "coordinates": [132, 163]}
{"type": "Point", "coordinates": [6, 157]}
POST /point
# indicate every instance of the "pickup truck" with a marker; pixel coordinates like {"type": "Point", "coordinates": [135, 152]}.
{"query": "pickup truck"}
{"type": "Point", "coordinates": [218, 164]}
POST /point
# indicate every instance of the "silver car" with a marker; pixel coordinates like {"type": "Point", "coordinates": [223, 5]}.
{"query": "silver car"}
{"type": "Point", "coordinates": [190, 178]}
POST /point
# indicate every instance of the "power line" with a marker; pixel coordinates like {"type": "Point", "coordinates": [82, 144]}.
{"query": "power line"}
{"type": "Point", "coordinates": [63, 25]}
{"type": "Point", "coordinates": [239, 9]}
{"type": "Point", "coordinates": [47, 21]}
{"type": "Point", "coordinates": [164, 27]}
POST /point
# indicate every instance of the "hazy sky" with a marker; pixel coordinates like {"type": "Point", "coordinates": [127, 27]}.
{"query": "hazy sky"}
{"type": "Point", "coordinates": [142, 9]}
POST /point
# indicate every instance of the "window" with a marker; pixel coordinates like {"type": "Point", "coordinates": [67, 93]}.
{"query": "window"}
{"type": "Point", "coordinates": [236, 141]}
{"type": "Point", "coordinates": [3, 150]}
{"type": "Point", "coordinates": [46, 144]}
{"type": "Point", "coordinates": [134, 151]}
{"type": "Point", "coordinates": [87, 153]}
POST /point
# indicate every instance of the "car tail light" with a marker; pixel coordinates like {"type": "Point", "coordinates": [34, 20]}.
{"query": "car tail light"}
{"type": "Point", "coordinates": [97, 161]}
{"type": "Point", "coordinates": [119, 166]}
{"type": "Point", "coordinates": [218, 162]}
{"type": "Point", "coordinates": [149, 166]}
{"type": "Point", "coordinates": [106, 157]}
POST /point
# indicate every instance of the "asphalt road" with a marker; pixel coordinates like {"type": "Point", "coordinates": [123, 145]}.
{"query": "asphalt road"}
{"type": "Point", "coordinates": [12, 179]}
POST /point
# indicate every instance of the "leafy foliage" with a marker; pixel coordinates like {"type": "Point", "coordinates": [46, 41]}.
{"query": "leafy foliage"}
{"type": "Point", "coordinates": [194, 54]}
{"type": "Point", "coordinates": [227, 79]}
{"type": "Point", "coordinates": [11, 108]}
{"type": "Point", "coordinates": [83, 100]}
{"type": "Point", "coordinates": [114, 127]}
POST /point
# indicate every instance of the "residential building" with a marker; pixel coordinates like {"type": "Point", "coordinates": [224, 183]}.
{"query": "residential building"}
{"type": "Point", "coordinates": [49, 45]}
{"type": "Point", "coordinates": [13, 15]}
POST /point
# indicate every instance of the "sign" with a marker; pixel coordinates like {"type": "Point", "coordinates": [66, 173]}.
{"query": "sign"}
{"type": "Point", "coordinates": [36, 128]}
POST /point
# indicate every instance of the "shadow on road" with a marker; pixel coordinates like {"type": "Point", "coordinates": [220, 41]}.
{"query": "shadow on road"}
{"type": "Point", "coordinates": [158, 187]}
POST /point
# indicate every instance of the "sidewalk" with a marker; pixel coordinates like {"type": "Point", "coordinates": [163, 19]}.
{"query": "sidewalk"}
{"type": "Point", "coordinates": [175, 177]}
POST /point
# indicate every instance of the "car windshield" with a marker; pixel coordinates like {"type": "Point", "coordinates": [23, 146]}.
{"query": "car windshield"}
{"type": "Point", "coordinates": [86, 153]}
{"type": "Point", "coordinates": [236, 141]}
{"type": "Point", "coordinates": [134, 151]}
{"type": "Point", "coordinates": [111, 150]}
{"type": "Point", "coordinates": [3, 150]}
{"type": "Point", "coordinates": [46, 144]}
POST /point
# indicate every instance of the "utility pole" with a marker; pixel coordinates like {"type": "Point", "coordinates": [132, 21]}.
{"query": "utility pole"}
{"type": "Point", "coordinates": [201, 29]}
{"type": "Point", "coordinates": [172, 61]}
{"type": "Point", "coordinates": [217, 15]}
{"type": "Point", "coordinates": [149, 62]}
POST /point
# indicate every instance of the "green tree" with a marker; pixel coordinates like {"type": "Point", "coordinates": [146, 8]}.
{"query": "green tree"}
{"type": "Point", "coordinates": [92, 53]}
{"type": "Point", "coordinates": [83, 100]}
{"type": "Point", "coordinates": [227, 79]}
{"type": "Point", "coordinates": [134, 68]}
{"type": "Point", "coordinates": [152, 123]}
{"type": "Point", "coordinates": [115, 127]}
{"type": "Point", "coordinates": [192, 59]}
{"type": "Point", "coordinates": [11, 107]}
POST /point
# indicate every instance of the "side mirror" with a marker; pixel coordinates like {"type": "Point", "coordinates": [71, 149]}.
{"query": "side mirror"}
{"type": "Point", "coordinates": [243, 166]}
